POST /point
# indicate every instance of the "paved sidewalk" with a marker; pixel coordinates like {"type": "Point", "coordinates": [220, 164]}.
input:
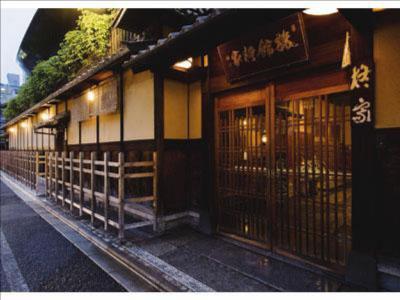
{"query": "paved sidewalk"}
{"type": "Point", "coordinates": [198, 262]}
{"type": "Point", "coordinates": [227, 267]}
{"type": "Point", "coordinates": [35, 257]}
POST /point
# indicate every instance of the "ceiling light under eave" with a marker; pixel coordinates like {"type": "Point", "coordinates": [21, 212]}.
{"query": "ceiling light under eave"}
{"type": "Point", "coordinates": [185, 64]}
{"type": "Point", "coordinates": [45, 116]}
{"type": "Point", "coordinates": [320, 11]}
{"type": "Point", "coordinates": [90, 96]}
{"type": "Point", "coordinates": [12, 130]}
{"type": "Point", "coordinates": [24, 124]}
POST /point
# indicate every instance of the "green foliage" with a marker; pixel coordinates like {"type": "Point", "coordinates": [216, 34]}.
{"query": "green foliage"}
{"type": "Point", "coordinates": [87, 43]}
{"type": "Point", "coordinates": [81, 47]}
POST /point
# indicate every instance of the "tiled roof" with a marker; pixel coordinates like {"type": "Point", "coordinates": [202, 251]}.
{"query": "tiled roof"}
{"type": "Point", "coordinates": [173, 35]}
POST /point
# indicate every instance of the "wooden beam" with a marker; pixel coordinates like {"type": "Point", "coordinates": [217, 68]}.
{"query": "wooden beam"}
{"type": "Point", "coordinates": [159, 137]}
{"type": "Point", "coordinates": [361, 268]}
{"type": "Point", "coordinates": [97, 136]}
{"type": "Point", "coordinates": [121, 109]}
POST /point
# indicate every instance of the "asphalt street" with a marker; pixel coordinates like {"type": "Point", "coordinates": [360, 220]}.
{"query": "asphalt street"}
{"type": "Point", "coordinates": [36, 257]}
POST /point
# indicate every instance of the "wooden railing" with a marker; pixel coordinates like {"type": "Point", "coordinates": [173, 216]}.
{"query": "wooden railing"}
{"type": "Point", "coordinates": [118, 35]}
{"type": "Point", "coordinates": [24, 166]}
{"type": "Point", "coordinates": [94, 187]}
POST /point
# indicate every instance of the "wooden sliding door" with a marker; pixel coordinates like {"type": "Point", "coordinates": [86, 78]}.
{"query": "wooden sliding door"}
{"type": "Point", "coordinates": [283, 172]}
{"type": "Point", "coordinates": [313, 177]}
{"type": "Point", "coordinates": [242, 187]}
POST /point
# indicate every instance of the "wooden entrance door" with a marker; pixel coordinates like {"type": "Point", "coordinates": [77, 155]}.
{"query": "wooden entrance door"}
{"type": "Point", "coordinates": [241, 166]}
{"type": "Point", "coordinates": [284, 172]}
{"type": "Point", "coordinates": [312, 211]}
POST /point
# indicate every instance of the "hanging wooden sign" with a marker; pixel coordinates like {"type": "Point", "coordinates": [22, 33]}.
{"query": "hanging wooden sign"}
{"type": "Point", "coordinates": [362, 87]}
{"type": "Point", "coordinates": [274, 46]}
{"type": "Point", "coordinates": [108, 96]}
{"type": "Point", "coordinates": [103, 100]}
{"type": "Point", "coordinates": [79, 111]}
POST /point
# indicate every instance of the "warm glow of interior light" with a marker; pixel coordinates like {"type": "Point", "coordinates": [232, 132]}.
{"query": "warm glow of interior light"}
{"type": "Point", "coordinates": [45, 116]}
{"type": "Point", "coordinates": [320, 11]}
{"type": "Point", "coordinates": [12, 130]}
{"type": "Point", "coordinates": [24, 124]}
{"type": "Point", "coordinates": [185, 64]}
{"type": "Point", "coordinates": [264, 139]}
{"type": "Point", "coordinates": [90, 96]}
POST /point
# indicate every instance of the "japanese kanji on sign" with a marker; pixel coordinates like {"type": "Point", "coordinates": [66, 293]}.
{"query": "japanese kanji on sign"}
{"type": "Point", "coordinates": [274, 46]}
{"type": "Point", "coordinates": [361, 85]}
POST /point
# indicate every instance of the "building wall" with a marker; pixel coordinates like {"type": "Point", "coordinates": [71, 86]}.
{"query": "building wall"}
{"type": "Point", "coordinates": [60, 107]}
{"type": "Point", "coordinates": [22, 136]}
{"type": "Point", "coordinates": [195, 110]}
{"type": "Point", "coordinates": [109, 128]}
{"type": "Point", "coordinates": [182, 110]}
{"type": "Point", "coordinates": [387, 123]}
{"type": "Point", "coordinates": [73, 126]}
{"type": "Point", "coordinates": [175, 109]}
{"type": "Point", "coordinates": [387, 64]}
{"type": "Point", "coordinates": [182, 116]}
{"type": "Point", "coordinates": [138, 105]}
{"type": "Point", "coordinates": [88, 131]}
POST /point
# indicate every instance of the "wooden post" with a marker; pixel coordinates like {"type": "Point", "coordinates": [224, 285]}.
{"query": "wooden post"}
{"type": "Point", "coordinates": [159, 139]}
{"type": "Point", "coordinates": [121, 195]}
{"type": "Point", "coordinates": [71, 179]}
{"type": "Point", "coordinates": [106, 198]}
{"type": "Point", "coordinates": [92, 187]}
{"type": "Point", "coordinates": [56, 176]}
{"type": "Point", "coordinates": [46, 173]}
{"type": "Point", "coordinates": [50, 174]}
{"type": "Point", "coordinates": [36, 167]}
{"type": "Point", "coordinates": [121, 110]}
{"type": "Point", "coordinates": [155, 203]}
{"type": "Point", "coordinates": [18, 165]}
{"type": "Point", "coordinates": [30, 168]}
{"type": "Point", "coordinates": [362, 262]}
{"type": "Point", "coordinates": [63, 178]}
{"type": "Point", "coordinates": [27, 168]}
{"type": "Point", "coordinates": [80, 183]}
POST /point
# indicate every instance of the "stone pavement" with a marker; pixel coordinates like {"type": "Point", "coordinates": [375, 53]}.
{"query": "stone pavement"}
{"type": "Point", "coordinates": [200, 262]}
{"type": "Point", "coordinates": [35, 257]}
{"type": "Point", "coordinates": [227, 267]}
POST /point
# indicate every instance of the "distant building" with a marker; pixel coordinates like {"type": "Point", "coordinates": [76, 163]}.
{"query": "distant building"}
{"type": "Point", "coordinates": [13, 79]}
{"type": "Point", "coordinates": [8, 91]}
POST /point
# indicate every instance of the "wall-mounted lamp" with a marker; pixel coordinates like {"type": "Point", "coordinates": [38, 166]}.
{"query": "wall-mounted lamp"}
{"type": "Point", "coordinates": [185, 64]}
{"type": "Point", "coordinates": [12, 130]}
{"type": "Point", "coordinates": [90, 96]}
{"type": "Point", "coordinates": [45, 116]}
{"type": "Point", "coordinates": [320, 11]}
{"type": "Point", "coordinates": [24, 124]}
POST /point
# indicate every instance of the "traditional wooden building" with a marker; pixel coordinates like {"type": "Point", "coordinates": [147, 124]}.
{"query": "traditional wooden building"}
{"type": "Point", "coordinates": [275, 128]}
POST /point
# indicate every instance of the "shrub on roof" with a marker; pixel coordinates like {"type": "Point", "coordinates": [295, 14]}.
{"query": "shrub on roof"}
{"type": "Point", "coordinates": [80, 47]}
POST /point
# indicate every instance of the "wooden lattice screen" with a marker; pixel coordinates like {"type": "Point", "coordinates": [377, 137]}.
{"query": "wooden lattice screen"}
{"type": "Point", "coordinates": [284, 174]}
